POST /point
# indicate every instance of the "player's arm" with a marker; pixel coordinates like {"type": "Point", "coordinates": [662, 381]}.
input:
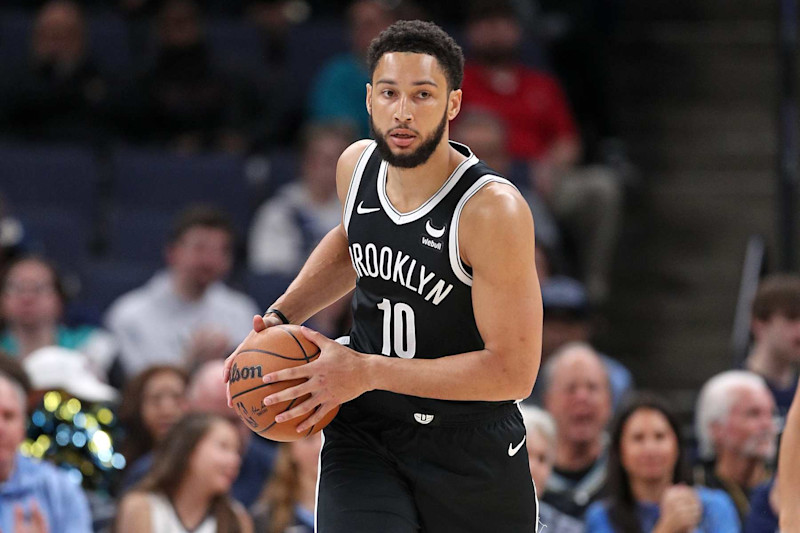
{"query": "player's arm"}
{"type": "Point", "coordinates": [497, 240]}
{"type": "Point", "coordinates": [789, 471]}
{"type": "Point", "coordinates": [327, 274]}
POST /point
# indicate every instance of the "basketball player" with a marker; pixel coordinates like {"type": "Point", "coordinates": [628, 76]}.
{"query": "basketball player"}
{"type": "Point", "coordinates": [447, 316]}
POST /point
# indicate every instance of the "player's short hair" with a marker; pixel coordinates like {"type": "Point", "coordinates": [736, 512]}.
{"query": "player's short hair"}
{"type": "Point", "coordinates": [203, 216]}
{"type": "Point", "coordinates": [777, 294]}
{"type": "Point", "coordinates": [420, 37]}
{"type": "Point", "coordinates": [715, 401]}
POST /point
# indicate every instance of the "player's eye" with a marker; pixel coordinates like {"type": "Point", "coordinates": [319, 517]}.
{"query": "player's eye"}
{"type": "Point", "coordinates": [424, 95]}
{"type": "Point", "coordinates": [388, 93]}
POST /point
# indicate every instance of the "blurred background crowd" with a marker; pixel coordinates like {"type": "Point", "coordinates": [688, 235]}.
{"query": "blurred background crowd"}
{"type": "Point", "coordinates": [166, 166]}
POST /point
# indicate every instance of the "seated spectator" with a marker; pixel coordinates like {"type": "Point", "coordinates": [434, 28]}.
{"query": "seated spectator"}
{"type": "Point", "coordinates": [775, 326]}
{"type": "Point", "coordinates": [152, 403]}
{"type": "Point", "coordinates": [32, 307]}
{"type": "Point", "coordinates": [190, 103]}
{"type": "Point", "coordinates": [188, 487]}
{"type": "Point", "coordinates": [577, 394]}
{"type": "Point", "coordinates": [289, 498]}
{"type": "Point", "coordinates": [339, 91]}
{"type": "Point", "coordinates": [587, 201]}
{"type": "Point", "coordinates": [540, 433]}
{"type": "Point", "coordinates": [648, 480]}
{"type": "Point", "coordinates": [208, 394]}
{"type": "Point", "coordinates": [186, 314]}
{"type": "Point", "coordinates": [736, 435]}
{"type": "Point", "coordinates": [567, 319]}
{"type": "Point", "coordinates": [764, 509]}
{"type": "Point", "coordinates": [487, 136]}
{"type": "Point", "coordinates": [288, 226]}
{"type": "Point", "coordinates": [60, 95]}
{"type": "Point", "coordinates": [34, 496]}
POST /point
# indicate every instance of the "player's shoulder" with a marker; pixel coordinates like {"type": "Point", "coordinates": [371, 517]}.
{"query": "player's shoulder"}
{"type": "Point", "coordinates": [496, 200]}
{"type": "Point", "coordinates": [352, 153]}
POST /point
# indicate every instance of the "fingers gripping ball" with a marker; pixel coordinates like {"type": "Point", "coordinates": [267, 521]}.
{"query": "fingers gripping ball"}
{"type": "Point", "coordinates": [273, 349]}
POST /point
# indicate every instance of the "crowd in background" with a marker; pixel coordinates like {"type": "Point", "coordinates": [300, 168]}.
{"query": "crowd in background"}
{"type": "Point", "coordinates": [115, 318]}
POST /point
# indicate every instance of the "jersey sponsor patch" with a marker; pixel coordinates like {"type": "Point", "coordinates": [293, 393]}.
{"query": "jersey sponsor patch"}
{"type": "Point", "coordinates": [432, 243]}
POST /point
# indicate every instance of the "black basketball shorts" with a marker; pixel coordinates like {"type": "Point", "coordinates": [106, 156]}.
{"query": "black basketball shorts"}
{"type": "Point", "coordinates": [383, 474]}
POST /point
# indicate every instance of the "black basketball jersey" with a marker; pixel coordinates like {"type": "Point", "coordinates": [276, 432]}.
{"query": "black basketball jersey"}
{"type": "Point", "coordinates": [413, 296]}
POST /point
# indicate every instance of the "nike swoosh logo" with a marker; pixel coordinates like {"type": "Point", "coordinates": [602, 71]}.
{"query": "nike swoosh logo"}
{"type": "Point", "coordinates": [512, 450]}
{"type": "Point", "coordinates": [361, 210]}
{"type": "Point", "coordinates": [436, 233]}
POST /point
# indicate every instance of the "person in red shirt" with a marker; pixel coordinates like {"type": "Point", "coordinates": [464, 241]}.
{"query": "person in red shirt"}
{"type": "Point", "coordinates": [586, 200]}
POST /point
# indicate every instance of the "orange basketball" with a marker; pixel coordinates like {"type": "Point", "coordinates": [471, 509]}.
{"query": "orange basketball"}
{"type": "Point", "coordinates": [273, 349]}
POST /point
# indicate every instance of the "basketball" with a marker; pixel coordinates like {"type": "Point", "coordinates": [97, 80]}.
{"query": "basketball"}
{"type": "Point", "coordinates": [270, 350]}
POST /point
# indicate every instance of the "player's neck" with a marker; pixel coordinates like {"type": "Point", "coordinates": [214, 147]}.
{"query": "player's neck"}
{"type": "Point", "coordinates": [409, 188]}
{"type": "Point", "coordinates": [774, 369]}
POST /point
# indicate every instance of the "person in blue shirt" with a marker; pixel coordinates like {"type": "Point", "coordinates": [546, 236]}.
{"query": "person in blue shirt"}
{"type": "Point", "coordinates": [34, 496]}
{"type": "Point", "coordinates": [648, 482]}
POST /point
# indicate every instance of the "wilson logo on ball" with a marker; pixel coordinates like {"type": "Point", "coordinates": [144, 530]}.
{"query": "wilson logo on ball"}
{"type": "Point", "coordinates": [246, 372]}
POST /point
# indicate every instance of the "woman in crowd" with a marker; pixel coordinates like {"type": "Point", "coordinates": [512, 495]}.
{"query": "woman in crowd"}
{"type": "Point", "coordinates": [152, 403]}
{"type": "Point", "coordinates": [287, 503]}
{"type": "Point", "coordinates": [540, 429]}
{"type": "Point", "coordinates": [647, 480]}
{"type": "Point", "coordinates": [32, 300]}
{"type": "Point", "coordinates": [187, 490]}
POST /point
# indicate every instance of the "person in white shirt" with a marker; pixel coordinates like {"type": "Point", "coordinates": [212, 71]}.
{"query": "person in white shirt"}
{"type": "Point", "coordinates": [186, 314]}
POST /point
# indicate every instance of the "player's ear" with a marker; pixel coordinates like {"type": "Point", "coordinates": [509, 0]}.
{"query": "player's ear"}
{"type": "Point", "coordinates": [369, 99]}
{"type": "Point", "coordinates": [453, 104]}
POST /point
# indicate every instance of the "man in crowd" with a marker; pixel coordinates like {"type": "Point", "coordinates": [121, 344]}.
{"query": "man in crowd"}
{"type": "Point", "coordinates": [186, 314]}
{"type": "Point", "coordinates": [776, 336]}
{"type": "Point", "coordinates": [736, 434]}
{"type": "Point", "coordinates": [578, 395]}
{"type": "Point", "coordinates": [34, 497]}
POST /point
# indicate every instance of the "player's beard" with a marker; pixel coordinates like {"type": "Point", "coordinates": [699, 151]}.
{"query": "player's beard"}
{"type": "Point", "coordinates": [415, 158]}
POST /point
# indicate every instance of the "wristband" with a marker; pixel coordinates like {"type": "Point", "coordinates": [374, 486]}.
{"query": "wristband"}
{"type": "Point", "coordinates": [278, 314]}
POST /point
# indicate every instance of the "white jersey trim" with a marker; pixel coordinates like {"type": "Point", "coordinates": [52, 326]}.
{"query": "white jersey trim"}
{"type": "Point", "coordinates": [355, 182]}
{"type": "Point", "coordinates": [455, 254]}
{"type": "Point", "coordinates": [404, 218]}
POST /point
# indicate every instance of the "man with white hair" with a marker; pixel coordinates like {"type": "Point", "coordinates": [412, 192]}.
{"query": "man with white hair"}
{"type": "Point", "coordinates": [34, 497]}
{"type": "Point", "coordinates": [736, 434]}
{"type": "Point", "coordinates": [577, 393]}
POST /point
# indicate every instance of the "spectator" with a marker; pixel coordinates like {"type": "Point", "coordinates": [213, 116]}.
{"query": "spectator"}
{"type": "Point", "coordinates": [186, 314]}
{"type": "Point", "coordinates": [61, 94]}
{"type": "Point", "coordinates": [32, 306]}
{"type": "Point", "coordinates": [648, 481]}
{"type": "Point", "coordinates": [191, 104]}
{"type": "Point", "coordinates": [339, 92]}
{"type": "Point", "coordinates": [487, 136]}
{"type": "Point", "coordinates": [208, 394]}
{"type": "Point", "coordinates": [585, 200]}
{"type": "Point", "coordinates": [776, 337]}
{"type": "Point", "coordinates": [152, 403]}
{"type": "Point", "coordinates": [288, 502]}
{"type": "Point", "coordinates": [578, 395]}
{"type": "Point", "coordinates": [34, 496]}
{"type": "Point", "coordinates": [287, 227]}
{"type": "Point", "coordinates": [764, 506]}
{"type": "Point", "coordinates": [736, 434]}
{"type": "Point", "coordinates": [188, 486]}
{"type": "Point", "coordinates": [568, 318]}
{"type": "Point", "coordinates": [541, 445]}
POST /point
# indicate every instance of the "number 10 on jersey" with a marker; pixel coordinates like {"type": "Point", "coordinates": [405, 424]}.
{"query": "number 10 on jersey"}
{"type": "Point", "coordinates": [400, 318]}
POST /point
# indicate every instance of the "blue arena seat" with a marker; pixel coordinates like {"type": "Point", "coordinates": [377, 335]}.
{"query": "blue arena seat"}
{"type": "Point", "coordinates": [235, 43]}
{"type": "Point", "coordinates": [60, 234]}
{"type": "Point", "coordinates": [138, 236]}
{"type": "Point", "coordinates": [102, 282]}
{"type": "Point", "coordinates": [15, 30]}
{"type": "Point", "coordinates": [60, 176]}
{"type": "Point", "coordinates": [265, 288]}
{"type": "Point", "coordinates": [147, 179]}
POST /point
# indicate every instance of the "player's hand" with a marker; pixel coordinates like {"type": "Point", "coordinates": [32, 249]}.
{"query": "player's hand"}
{"type": "Point", "coordinates": [337, 376]}
{"type": "Point", "coordinates": [260, 323]}
{"type": "Point", "coordinates": [681, 510]}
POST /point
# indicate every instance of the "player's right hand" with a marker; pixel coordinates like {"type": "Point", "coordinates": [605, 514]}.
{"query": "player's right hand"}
{"type": "Point", "coordinates": [260, 323]}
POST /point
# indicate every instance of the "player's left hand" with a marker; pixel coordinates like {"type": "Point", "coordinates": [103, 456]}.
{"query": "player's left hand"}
{"type": "Point", "coordinates": [337, 376]}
